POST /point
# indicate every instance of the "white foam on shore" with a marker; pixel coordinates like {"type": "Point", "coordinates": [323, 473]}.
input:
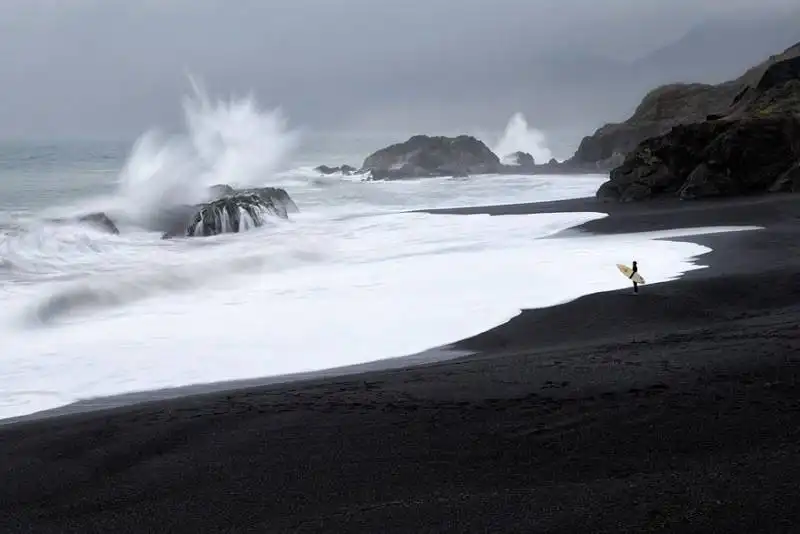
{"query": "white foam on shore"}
{"type": "Point", "coordinates": [360, 290]}
{"type": "Point", "coordinates": [357, 276]}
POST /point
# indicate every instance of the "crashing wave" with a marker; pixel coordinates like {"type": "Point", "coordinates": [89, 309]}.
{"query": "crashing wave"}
{"type": "Point", "coordinates": [226, 210]}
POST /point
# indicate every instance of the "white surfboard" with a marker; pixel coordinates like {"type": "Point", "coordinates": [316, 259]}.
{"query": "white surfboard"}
{"type": "Point", "coordinates": [627, 271]}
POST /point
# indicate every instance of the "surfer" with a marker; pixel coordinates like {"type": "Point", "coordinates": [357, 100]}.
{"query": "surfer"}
{"type": "Point", "coordinates": [635, 285]}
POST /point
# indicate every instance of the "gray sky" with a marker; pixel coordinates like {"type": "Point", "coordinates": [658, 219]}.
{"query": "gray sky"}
{"type": "Point", "coordinates": [95, 68]}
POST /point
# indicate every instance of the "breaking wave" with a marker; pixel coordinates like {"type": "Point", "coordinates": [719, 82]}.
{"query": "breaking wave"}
{"type": "Point", "coordinates": [226, 147]}
{"type": "Point", "coordinates": [519, 137]}
{"type": "Point", "coordinates": [225, 142]}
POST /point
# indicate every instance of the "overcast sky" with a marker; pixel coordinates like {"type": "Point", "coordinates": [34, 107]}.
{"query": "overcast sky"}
{"type": "Point", "coordinates": [93, 68]}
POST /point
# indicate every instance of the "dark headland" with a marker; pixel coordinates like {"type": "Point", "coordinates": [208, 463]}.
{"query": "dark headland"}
{"type": "Point", "coordinates": [677, 410]}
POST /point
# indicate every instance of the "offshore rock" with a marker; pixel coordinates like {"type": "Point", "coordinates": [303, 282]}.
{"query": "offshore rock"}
{"type": "Point", "coordinates": [423, 156]}
{"type": "Point", "coordinates": [232, 213]}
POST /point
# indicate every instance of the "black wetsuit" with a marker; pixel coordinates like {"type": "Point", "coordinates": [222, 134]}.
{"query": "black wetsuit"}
{"type": "Point", "coordinates": [635, 285]}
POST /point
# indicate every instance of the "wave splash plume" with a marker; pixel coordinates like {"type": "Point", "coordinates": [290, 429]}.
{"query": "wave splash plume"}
{"type": "Point", "coordinates": [519, 137]}
{"type": "Point", "coordinates": [225, 142]}
{"type": "Point", "coordinates": [206, 180]}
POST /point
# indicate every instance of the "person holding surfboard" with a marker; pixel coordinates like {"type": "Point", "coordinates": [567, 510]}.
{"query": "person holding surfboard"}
{"type": "Point", "coordinates": [632, 274]}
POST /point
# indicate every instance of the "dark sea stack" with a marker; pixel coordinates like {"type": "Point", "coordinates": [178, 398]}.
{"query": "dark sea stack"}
{"type": "Point", "coordinates": [521, 159]}
{"type": "Point", "coordinates": [423, 156]}
{"type": "Point", "coordinates": [345, 170]}
{"type": "Point", "coordinates": [277, 199]}
{"type": "Point", "coordinates": [326, 169]}
{"type": "Point", "coordinates": [752, 147]}
{"type": "Point", "coordinates": [231, 213]}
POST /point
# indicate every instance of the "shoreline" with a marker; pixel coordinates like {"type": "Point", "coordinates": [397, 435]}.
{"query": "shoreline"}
{"type": "Point", "coordinates": [674, 410]}
{"type": "Point", "coordinates": [447, 351]}
{"type": "Point", "coordinates": [123, 400]}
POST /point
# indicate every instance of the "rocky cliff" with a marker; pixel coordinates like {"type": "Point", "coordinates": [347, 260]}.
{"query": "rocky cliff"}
{"type": "Point", "coordinates": [671, 105]}
{"type": "Point", "coordinates": [751, 145]}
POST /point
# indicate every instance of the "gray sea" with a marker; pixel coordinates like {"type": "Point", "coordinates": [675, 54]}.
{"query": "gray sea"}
{"type": "Point", "coordinates": [356, 276]}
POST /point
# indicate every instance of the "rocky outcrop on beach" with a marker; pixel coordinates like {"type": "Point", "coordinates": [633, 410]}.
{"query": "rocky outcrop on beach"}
{"type": "Point", "coordinates": [233, 212]}
{"type": "Point", "coordinates": [275, 199]}
{"type": "Point", "coordinates": [520, 159]}
{"type": "Point", "coordinates": [713, 158]}
{"type": "Point", "coordinates": [752, 145]}
{"type": "Point", "coordinates": [672, 105]}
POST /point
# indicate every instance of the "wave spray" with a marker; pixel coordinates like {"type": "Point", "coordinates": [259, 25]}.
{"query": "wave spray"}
{"type": "Point", "coordinates": [519, 137]}
{"type": "Point", "coordinates": [225, 142]}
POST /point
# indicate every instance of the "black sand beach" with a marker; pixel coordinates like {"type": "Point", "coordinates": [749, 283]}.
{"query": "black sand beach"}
{"type": "Point", "coordinates": [672, 411]}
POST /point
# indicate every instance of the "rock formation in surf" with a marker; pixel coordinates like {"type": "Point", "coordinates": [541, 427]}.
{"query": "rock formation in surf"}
{"type": "Point", "coordinates": [228, 212]}
{"type": "Point", "coordinates": [750, 145]}
{"type": "Point", "coordinates": [425, 156]}
{"type": "Point", "coordinates": [520, 159]}
{"type": "Point", "coordinates": [234, 213]}
{"type": "Point", "coordinates": [346, 170]}
{"type": "Point", "coordinates": [275, 199]}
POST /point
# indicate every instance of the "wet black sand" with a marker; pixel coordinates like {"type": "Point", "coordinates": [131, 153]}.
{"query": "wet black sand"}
{"type": "Point", "coordinates": [676, 410]}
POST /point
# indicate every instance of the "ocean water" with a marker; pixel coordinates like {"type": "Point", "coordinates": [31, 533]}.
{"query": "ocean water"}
{"type": "Point", "coordinates": [355, 277]}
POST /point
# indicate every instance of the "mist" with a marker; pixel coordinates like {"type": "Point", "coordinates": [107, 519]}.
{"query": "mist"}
{"type": "Point", "coordinates": [112, 69]}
